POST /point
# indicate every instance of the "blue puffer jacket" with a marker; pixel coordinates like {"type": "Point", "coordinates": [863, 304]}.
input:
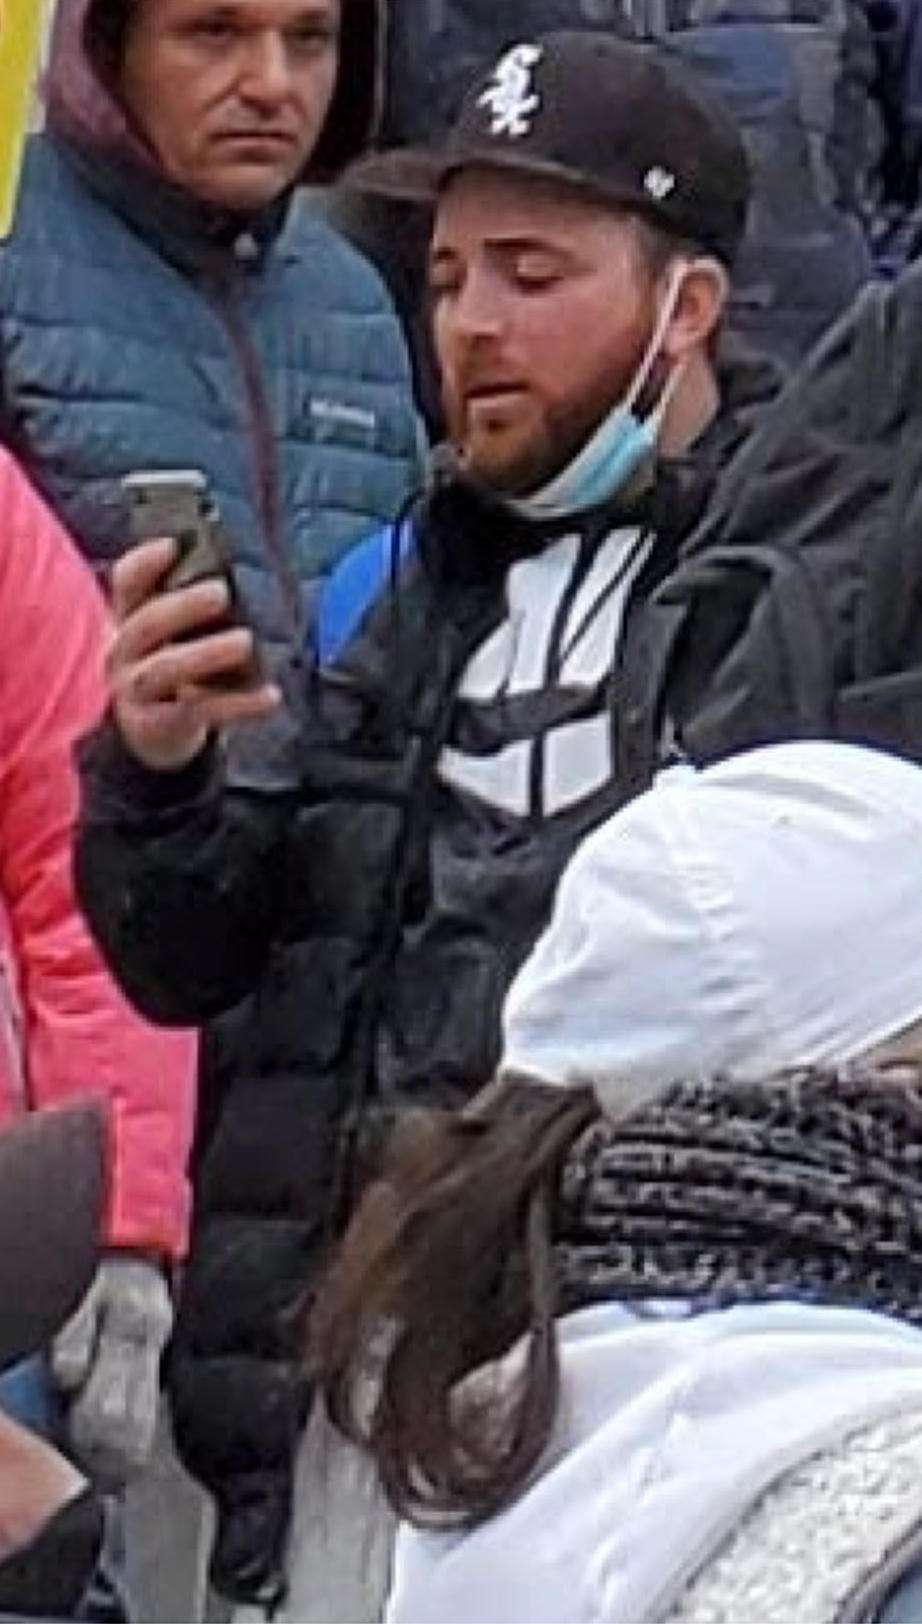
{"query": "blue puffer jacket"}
{"type": "Point", "coordinates": [142, 328]}
{"type": "Point", "coordinates": [274, 363]}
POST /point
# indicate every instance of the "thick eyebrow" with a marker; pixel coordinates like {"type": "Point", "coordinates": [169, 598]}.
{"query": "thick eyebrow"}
{"type": "Point", "coordinates": [311, 12]}
{"type": "Point", "coordinates": [319, 13]}
{"type": "Point", "coordinates": [525, 244]}
{"type": "Point", "coordinates": [508, 247]}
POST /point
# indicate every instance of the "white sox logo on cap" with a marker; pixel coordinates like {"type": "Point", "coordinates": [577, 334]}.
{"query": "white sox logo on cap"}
{"type": "Point", "coordinates": [510, 95]}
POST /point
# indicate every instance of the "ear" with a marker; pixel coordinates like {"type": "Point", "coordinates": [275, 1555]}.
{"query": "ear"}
{"type": "Point", "coordinates": [700, 304]}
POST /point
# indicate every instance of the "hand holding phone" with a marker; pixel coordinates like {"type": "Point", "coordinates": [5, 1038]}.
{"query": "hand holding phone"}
{"type": "Point", "coordinates": [184, 662]}
{"type": "Point", "coordinates": [179, 505]}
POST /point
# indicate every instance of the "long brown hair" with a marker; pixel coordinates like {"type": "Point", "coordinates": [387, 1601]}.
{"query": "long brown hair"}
{"type": "Point", "coordinates": [445, 1266]}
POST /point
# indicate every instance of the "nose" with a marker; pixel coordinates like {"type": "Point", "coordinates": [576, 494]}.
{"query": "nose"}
{"type": "Point", "coordinates": [266, 77]}
{"type": "Point", "coordinates": [476, 310]}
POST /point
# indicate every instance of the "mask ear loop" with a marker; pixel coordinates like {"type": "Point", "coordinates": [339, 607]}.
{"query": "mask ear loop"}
{"type": "Point", "coordinates": [651, 425]}
{"type": "Point", "coordinates": [651, 353]}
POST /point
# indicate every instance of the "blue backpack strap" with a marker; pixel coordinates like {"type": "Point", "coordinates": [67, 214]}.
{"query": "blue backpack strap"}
{"type": "Point", "coordinates": [355, 585]}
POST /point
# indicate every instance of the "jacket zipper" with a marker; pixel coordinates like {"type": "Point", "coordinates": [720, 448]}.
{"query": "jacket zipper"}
{"type": "Point", "coordinates": [420, 789]}
{"type": "Point", "coordinates": [266, 470]}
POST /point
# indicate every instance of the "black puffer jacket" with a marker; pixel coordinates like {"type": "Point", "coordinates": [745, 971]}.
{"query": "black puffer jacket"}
{"type": "Point", "coordinates": [380, 916]}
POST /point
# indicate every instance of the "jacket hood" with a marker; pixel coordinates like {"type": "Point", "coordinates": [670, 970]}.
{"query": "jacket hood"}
{"type": "Point", "coordinates": [83, 103]}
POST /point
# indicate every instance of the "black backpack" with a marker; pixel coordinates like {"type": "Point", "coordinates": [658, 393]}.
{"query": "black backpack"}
{"type": "Point", "coordinates": [796, 607]}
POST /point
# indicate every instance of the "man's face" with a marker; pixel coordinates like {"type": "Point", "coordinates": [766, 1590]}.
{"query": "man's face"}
{"type": "Point", "coordinates": [232, 94]}
{"type": "Point", "coordinates": [542, 310]}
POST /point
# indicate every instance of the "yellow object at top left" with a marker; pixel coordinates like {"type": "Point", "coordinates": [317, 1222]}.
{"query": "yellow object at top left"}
{"type": "Point", "coordinates": [23, 27]}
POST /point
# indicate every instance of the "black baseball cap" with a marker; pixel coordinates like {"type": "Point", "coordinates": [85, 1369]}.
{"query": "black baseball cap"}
{"type": "Point", "coordinates": [621, 120]}
{"type": "Point", "coordinates": [53, 1187]}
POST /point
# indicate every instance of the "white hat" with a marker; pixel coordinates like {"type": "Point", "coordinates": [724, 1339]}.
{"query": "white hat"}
{"type": "Point", "coordinates": [757, 915]}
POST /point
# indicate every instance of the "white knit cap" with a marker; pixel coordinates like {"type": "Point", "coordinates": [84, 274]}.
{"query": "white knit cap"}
{"type": "Point", "coordinates": [760, 914]}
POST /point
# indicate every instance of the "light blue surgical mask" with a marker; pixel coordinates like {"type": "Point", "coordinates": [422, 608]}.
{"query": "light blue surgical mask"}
{"type": "Point", "coordinates": [621, 445]}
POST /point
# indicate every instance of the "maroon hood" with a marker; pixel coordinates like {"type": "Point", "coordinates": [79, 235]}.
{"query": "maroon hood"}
{"type": "Point", "coordinates": [82, 101]}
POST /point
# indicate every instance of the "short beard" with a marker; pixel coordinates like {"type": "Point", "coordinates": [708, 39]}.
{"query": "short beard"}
{"type": "Point", "coordinates": [569, 430]}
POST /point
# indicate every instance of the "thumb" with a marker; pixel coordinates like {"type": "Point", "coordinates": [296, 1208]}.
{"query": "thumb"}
{"type": "Point", "coordinates": [74, 1348]}
{"type": "Point", "coordinates": [114, 1418]}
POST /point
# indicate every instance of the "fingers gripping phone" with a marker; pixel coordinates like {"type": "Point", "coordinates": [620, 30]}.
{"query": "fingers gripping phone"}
{"type": "Point", "coordinates": [178, 505]}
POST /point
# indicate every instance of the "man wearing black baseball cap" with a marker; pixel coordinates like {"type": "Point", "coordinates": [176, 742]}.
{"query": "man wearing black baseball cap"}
{"type": "Point", "coordinates": [580, 136]}
{"type": "Point", "coordinates": [485, 688]}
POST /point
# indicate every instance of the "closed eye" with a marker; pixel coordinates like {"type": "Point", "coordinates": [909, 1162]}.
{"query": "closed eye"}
{"type": "Point", "coordinates": [533, 273]}
{"type": "Point", "coordinates": [444, 280]}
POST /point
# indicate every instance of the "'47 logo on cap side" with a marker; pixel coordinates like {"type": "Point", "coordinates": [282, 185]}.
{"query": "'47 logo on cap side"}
{"type": "Point", "coordinates": [659, 183]}
{"type": "Point", "coordinates": [510, 95]}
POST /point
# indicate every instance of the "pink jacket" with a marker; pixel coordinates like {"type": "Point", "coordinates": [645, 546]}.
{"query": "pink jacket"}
{"type": "Point", "coordinates": [77, 1034]}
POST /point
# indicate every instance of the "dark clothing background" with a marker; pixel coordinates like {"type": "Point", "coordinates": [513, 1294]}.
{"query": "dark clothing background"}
{"type": "Point", "coordinates": [827, 94]}
{"type": "Point", "coordinates": [804, 577]}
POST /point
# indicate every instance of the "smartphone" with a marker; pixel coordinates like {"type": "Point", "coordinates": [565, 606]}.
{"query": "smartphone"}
{"type": "Point", "coordinates": [178, 504]}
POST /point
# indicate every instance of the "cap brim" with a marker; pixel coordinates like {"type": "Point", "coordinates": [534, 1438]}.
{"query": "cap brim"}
{"type": "Point", "coordinates": [411, 173]}
{"type": "Point", "coordinates": [53, 1183]}
{"type": "Point", "coordinates": [417, 174]}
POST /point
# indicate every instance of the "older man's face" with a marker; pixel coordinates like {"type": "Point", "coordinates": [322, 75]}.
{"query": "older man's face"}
{"type": "Point", "coordinates": [232, 94]}
{"type": "Point", "coordinates": [542, 310]}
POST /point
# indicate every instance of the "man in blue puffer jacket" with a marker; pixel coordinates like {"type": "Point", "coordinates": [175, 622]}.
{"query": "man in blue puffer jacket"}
{"type": "Point", "coordinates": [166, 301]}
